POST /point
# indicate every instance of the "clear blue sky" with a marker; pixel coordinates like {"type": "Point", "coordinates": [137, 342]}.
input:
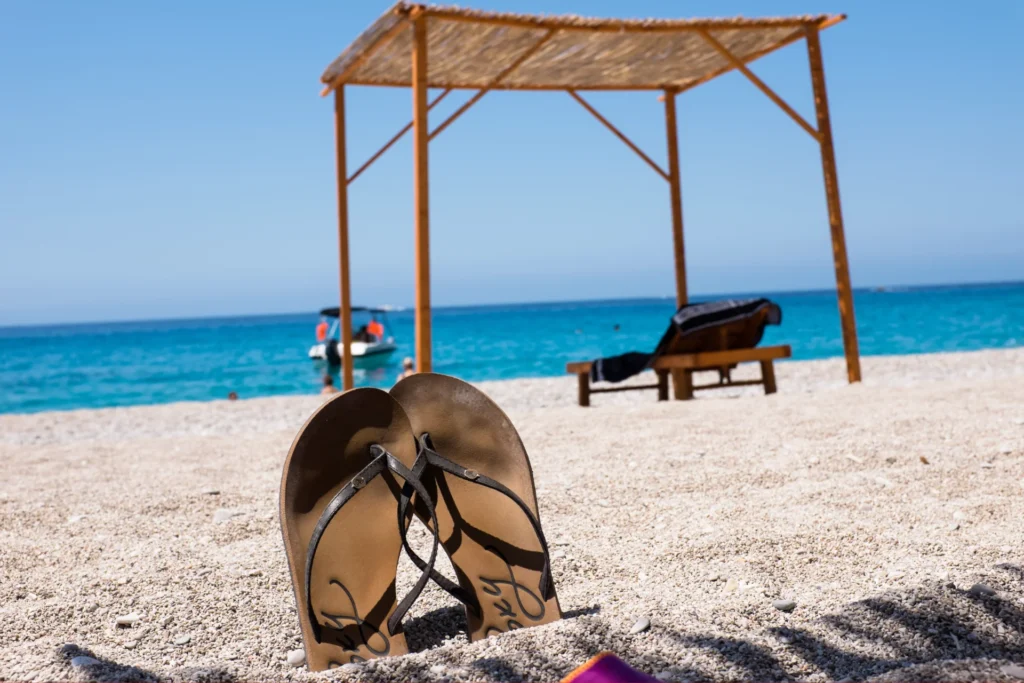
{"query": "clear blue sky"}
{"type": "Point", "coordinates": [164, 159]}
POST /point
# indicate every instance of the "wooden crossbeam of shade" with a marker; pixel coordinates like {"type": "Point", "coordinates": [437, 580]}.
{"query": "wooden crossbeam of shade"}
{"type": "Point", "coordinates": [497, 81]}
{"type": "Point", "coordinates": [392, 141]}
{"type": "Point", "coordinates": [739, 65]}
{"type": "Point", "coordinates": [381, 41]}
{"type": "Point", "coordinates": [619, 134]}
{"type": "Point", "coordinates": [793, 37]}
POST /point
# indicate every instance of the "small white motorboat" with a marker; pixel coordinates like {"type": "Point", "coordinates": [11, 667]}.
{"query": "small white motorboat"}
{"type": "Point", "coordinates": [369, 341]}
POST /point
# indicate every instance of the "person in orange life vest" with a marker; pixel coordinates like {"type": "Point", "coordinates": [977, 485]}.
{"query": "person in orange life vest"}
{"type": "Point", "coordinates": [321, 330]}
{"type": "Point", "coordinates": [375, 329]}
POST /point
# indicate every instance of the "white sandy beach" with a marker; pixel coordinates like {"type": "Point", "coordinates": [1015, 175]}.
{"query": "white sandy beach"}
{"type": "Point", "coordinates": [876, 508]}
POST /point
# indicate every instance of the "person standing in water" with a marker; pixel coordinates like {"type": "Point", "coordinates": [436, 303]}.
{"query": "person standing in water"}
{"type": "Point", "coordinates": [407, 369]}
{"type": "Point", "coordinates": [321, 330]}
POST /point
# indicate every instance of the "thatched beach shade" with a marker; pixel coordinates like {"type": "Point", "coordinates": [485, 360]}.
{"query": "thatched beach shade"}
{"type": "Point", "coordinates": [422, 46]}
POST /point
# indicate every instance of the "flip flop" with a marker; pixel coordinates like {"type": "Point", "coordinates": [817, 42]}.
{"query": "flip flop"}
{"type": "Point", "coordinates": [339, 517]}
{"type": "Point", "coordinates": [472, 462]}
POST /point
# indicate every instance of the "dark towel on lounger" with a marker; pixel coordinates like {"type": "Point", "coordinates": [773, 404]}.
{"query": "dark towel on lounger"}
{"type": "Point", "coordinates": [618, 368]}
{"type": "Point", "coordinates": [688, 320]}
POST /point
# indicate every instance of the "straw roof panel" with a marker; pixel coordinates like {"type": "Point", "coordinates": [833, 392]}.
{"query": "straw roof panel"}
{"type": "Point", "coordinates": [469, 49]}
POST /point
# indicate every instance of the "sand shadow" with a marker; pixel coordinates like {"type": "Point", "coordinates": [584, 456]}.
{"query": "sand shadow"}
{"type": "Point", "coordinates": [930, 624]}
{"type": "Point", "coordinates": [108, 671]}
{"type": "Point", "coordinates": [434, 628]}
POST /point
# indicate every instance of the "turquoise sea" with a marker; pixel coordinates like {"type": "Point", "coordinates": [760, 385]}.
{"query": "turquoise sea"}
{"type": "Point", "coordinates": [129, 363]}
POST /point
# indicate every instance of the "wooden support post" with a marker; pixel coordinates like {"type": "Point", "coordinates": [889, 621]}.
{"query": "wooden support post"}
{"type": "Point", "coordinates": [393, 140]}
{"type": "Point", "coordinates": [345, 312]}
{"type": "Point", "coordinates": [662, 384]}
{"type": "Point", "coordinates": [421, 136]}
{"type": "Point", "coordinates": [738, 64]}
{"type": "Point", "coordinates": [682, 384]}
{"type": "Point", "coordinates": [678, 249]}
{"type": "Point", "coordinates": [618, 133]}
{"type": "Point", "coordinates": [583, 385]}
{"type": "Point", "coordinates": [768, 376]}
{"type": "Point", "coordinates": [835, 212]}
{"type": "Point", "coordinates": [681, 381]}
{"type": "Point", "coordinates": [494, 83]}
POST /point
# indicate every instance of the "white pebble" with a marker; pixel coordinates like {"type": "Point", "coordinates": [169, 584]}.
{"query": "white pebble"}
{"type": "Point", "coordinates": [131, 644]}
{"type": "Point", "coordinates": [182, 640]}
{"type": "Point", "coordinates": [558, 554]}
{"type": "Point", "coordinates": [296, 657]}
{"type": "Point", "coordinates": [1014, 670]}
{"type": "Point", "coordinates": [437, 669]}
{"type": "Point", "coordinates": [641, 625]}
{"type": "Point", "coordinates": [127, 620]}
{"type": "Point", "coordinates": [221, 516]}
{"type": "Point", "coordinates": [784, 605]}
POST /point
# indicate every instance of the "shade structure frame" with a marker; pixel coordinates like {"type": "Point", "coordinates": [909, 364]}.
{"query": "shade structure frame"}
{"type": "Point", "coordinates": [415, 20]}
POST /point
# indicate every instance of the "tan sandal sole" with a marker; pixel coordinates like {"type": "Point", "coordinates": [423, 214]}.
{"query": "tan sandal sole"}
{"type": "Point", "coordinates": [492, 545]}
{"type": "Point", "coordinates": [352, 584]}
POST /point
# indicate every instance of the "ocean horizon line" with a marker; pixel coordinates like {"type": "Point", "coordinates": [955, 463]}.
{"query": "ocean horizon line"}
{"type": "Point", "coordinates": [513, 304]}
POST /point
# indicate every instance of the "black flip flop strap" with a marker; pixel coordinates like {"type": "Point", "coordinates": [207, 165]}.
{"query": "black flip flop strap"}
{"type": "Point", "coordinates": [449, 586]}
{"type": "Point", "coordinates": [382, 461]}
{"type": "Point", "coordinates": [437, 460]}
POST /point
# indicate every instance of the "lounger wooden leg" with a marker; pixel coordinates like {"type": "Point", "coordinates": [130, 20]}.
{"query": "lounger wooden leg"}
{"type": "Point", "coordinates": [584, 387]}
{"type": "Point", "coordinates": [768, 376]}
{"type": "Point", "coordinates": [662, 384]}
{"type": "Point", "coordinates": [682, 385]}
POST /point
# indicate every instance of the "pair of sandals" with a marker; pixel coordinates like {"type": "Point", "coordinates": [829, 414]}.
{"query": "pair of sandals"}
{"type": "Point", "coordinates": [361, 467]}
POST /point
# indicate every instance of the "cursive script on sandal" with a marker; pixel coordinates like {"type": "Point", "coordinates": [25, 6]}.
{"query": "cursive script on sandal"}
{"type": "Point", "coordinates": [512, 614]}
{"type": "Point", "coordinates": [364, 631]}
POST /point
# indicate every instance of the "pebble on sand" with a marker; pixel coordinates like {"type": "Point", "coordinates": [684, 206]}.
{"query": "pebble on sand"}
{"type": "Point", "coordinates": [222, 515]}
{"type": "Point", "coordinates": [128, 620]}
{"type": "Point", "coordinates": [641, 625]}
{"type": "Point", "coordinates": [558, 554]}
{"type": "Point", "coordinates": [83, 661]}
{"type": "Point", "coordinates": [296, 657]}
{"type": "Point", "coordinates": [437, 669]}
{"type": "Point", "coordinates": [784, 605]}
{"type": "Point", "coordinates": [1014, 670]}
{"type": "Point", "coordinates": [182, 640]}
{"type": "Point", "coordinates": [980, 590]}
{"type": "Point", "coordinates": [131, 644]}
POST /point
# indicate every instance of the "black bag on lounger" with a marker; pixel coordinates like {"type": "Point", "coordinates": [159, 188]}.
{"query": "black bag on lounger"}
{"type": "Point", "coordinates": [708, 326]}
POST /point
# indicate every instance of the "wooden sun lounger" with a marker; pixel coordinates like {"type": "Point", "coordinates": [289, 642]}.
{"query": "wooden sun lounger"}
{"type": "Point", "coordinates": [683, 365]}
